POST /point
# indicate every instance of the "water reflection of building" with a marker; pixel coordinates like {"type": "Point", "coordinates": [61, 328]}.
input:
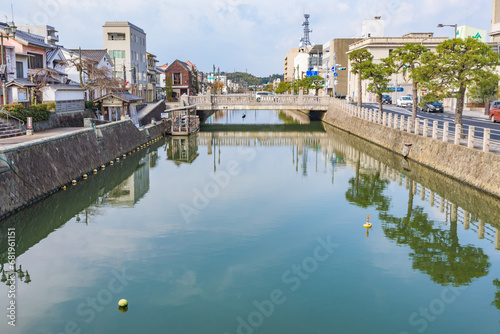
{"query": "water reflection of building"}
{"type": "Point", "coordinates": [133, 188]}
{"type": "Point", "coordinates": [182, 149]}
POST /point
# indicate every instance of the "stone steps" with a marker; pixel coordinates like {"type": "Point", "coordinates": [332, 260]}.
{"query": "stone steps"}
{"type": "Point", "coordinates": [7, 130]}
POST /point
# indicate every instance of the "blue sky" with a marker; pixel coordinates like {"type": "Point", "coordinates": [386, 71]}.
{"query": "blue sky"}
{"type": "Point", "coordinates": [241, 35]}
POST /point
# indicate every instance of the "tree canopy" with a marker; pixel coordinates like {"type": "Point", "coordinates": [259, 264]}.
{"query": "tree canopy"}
{"type": "Point", "coordinates": [360, 59]}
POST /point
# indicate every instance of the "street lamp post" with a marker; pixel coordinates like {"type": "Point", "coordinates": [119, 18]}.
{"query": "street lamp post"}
{"type": "Point", "coordinates": [449, 25]}
{"type": "Point", "coordinates": [10, 30]}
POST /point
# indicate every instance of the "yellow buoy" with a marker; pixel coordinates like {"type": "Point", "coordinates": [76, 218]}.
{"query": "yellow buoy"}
{"type": "Point", "coordinates": [63, 187]}
{"type": "Point", "coordinates": [73, 182]}
{"type": "Point", "coordinates": [117, 159]}
{"type": "Point", "coordinates": [84, 176]}
{"type": "Point", "coordinates": [129, 153]}
{"type": "Point", "coordinates": [368, 224]}
{"type": "Point", "coordinates": [111, 162]}
{"type": "Point", "coordinates": [123, 303]}
{"type": "Point", "coordinates": [124, 156]}
{"type": "Point", "coordinates": [94, 171]}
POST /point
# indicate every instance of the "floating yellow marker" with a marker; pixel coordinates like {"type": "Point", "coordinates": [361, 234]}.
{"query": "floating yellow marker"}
{"type": "Point", "coordinates": [368, 224]}
{"type": "Point", "coordinates": [123, 303]}
{"type": "Point", "coordinates": [94, 171]}
{"type": "Point", "coordinates": [111, 162]}
{"type": "Point", "coordinates": [63, 188]}
{"type": "Point", "coordinates": [84, 176]}
{"type": "Point", "coordinates": [124, 156]}
{"type": "Point", "coordinates": [102, 166]}
{"type": "Point", "coordinates": [117, 159]}
{"type": "Point", "coordinates": [73, 182]}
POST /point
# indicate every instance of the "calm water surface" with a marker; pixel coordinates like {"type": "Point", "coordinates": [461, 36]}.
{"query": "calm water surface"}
{"type": "Point", "coordinates": [255, 225]}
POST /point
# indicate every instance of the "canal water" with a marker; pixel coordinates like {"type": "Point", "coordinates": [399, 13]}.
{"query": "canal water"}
{"type": "Point", "coordinates": [255, 225]}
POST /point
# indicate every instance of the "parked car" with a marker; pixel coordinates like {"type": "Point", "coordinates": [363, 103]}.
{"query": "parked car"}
{"type": "Point", "coordinates": [404, 101]}
{"type": "Point", "coordinates": [386, 99]}
{"type": "Point", "coordinates": [258, 95]}
{"type": "Point", "coordinates": [495, 111]}
{"type": "Point", "coordinates": [434, 106]}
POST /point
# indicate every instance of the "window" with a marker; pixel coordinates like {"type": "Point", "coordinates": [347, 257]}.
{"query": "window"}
{"type": "Point", "coordinates": [116, 36]}
{"type": "Point", "coordinates": [177, 79]}
{"type": "Point", "coordinates": [117, 53]}
{"type": "Point", "coordinates": [19, 70]}
{"type": "Point", "coordinates": [35, 60]}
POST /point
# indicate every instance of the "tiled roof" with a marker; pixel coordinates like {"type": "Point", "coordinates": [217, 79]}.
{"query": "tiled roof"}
{"type": "Point", "coordinates": [29, 38]}
{"type": "Point", "coordinates": [51, 54]}
{"type": "Point", "coordinates": [124, 96]}
{"type": "Point", "coordinates": [186, 66]}
{"type": "Point", "coordinates": [95, 55]}
{"type": "Point", "coordinates": [20, 82]}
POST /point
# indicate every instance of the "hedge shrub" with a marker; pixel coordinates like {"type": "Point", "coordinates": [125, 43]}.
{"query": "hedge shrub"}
{"type": "Point", "coordinates": [38, 112]}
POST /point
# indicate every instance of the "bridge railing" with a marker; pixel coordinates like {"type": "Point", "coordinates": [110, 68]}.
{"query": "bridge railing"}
{"type": "Point", "coordinates": [245, 99]}
{"type": "Point", "coordinates": [470, 136]}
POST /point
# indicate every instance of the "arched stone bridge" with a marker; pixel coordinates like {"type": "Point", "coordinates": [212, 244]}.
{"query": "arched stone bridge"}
{"type": "Point", "coordinates": [248, 102]}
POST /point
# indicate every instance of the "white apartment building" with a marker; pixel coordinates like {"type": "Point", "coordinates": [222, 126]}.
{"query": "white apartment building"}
{"type": "Point", "coordinates": [126, 45]}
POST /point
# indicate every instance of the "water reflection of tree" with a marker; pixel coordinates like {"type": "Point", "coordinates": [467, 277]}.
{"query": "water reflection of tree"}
{"type": "Point", "coordinates": [436, 252]}
{"type": "Point", "coordinates": [367, 189]}
{"type": "Point", "coordinates": [496, 302]}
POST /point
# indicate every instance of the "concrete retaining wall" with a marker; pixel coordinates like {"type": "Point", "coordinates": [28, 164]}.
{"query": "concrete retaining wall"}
{"type": "Point", "coordinates": [41, 167]}
{"type": "Point", "coordinates": [473, 167]}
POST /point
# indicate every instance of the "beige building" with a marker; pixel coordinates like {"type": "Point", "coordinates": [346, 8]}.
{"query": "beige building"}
{"type": "Point", "coordinates": [495, 22]}
{"type": "Point", "coordinates": [126, 45]}
{"type": "Point", "coordinates": [335, 53]}
{"type": "Point", "coordinates": [289, 64]}
{"type": "Point", "coordinates": [381, 48]}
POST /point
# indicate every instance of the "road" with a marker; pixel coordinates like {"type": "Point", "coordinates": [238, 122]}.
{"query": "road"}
{"type": "Point", "coordinates": [475, 119]}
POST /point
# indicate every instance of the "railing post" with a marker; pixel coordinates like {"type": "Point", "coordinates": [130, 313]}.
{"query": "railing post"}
{"type": "Point", "coordinates": [426, 127]}
{"type": "Point", "coordinates": [389, 121]}
{"type": "Point", "coordinates": [470, 143]}
{"type": "Point", "coordinates": [458, 132]}
{"type": "Point", "coordinates": [417, 126]}
{"type": "Point", "coordinates": [486, 140]}
{"type": "Point", "coordinates": [445, 131]}
{"type": "Point", "coordinates": [434, 129]}
{"type": "Point", "coordinates": [395, 123]}
{"type": "Point", "coordinates": [384, 119]}
{"type": "Point", "coordinates": [409, 124]}
{"type": "Point", "coordinates": [402, 123]}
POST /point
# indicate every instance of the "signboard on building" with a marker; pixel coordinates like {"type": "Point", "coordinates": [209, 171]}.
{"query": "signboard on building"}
{"type": "Point", "coordinates": [311, 73]}
{"type": "Point", "coordinates": [466, 31]}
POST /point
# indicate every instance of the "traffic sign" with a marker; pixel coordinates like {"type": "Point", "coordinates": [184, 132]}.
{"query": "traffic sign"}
{"type": "Point", "coordinates": [334, 69]}
{"type": "Point", "coordinates": [392, 89]}
{"type": "Point", "coordinates": [335, 74]}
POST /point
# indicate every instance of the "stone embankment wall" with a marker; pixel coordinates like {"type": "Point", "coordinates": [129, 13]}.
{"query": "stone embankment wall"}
{"type": "Point", "coordinates": [470, 166]}
{"type": "Point", "coordinates": [41, 167]}
{"type": "Point", "coordinates": [153, 110]}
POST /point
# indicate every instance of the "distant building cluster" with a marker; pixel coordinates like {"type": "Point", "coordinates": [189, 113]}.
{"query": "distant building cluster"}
{"type": "Point", "coordinates": [330, 60]}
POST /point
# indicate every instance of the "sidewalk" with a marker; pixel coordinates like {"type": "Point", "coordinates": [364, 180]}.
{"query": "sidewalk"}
{"type": "Point", "coordinates": [37, 135]}
{"type": "Point", "coordinates": [479, 114]}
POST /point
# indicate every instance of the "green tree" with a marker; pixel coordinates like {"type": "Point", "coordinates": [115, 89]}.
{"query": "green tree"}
{"type": "Point", "coordinates": [196, 83]}
{"type": "Point", "coordinates": [315, 82]}
{"type": "Point", "coordinates": [269, 88]}
{"type": "Point", "coordinates": [360, 59]}
{"type": "Point", "coordinates": [408, 58]}
{"type": "Point", "coordinates": [283, 87]}
{"type": "Point", "coordinates": [378, 74]}
{"type": "Point", "coordinates": [456, 64]}
{"type": "Point", "coordinates": [169, 90]}
{"type": "Point", "coordinates": [485, 88]}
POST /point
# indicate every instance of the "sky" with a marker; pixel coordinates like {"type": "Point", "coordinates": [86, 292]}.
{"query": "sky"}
{"type": "Point", "coordinates": [240, 35]}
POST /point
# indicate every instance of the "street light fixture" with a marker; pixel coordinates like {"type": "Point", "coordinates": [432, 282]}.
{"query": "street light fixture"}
{"type": "Point", "coordinates": [449, 25]}
{"type": "Point", "coordinates": [10, 33]}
